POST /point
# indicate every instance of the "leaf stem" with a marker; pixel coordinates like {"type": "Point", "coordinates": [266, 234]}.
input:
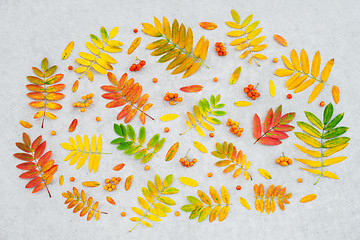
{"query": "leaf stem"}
{"type": "Point", "coordinates": [43, 119]}
{"type": "Point", "coordinates": [321, 150]}
{"type": "Point", "coordinates": [39, 169]}
{"type": "Point", "coordinates": [301, 72]}
{"type": "Point", "coordinates": [272, 128]}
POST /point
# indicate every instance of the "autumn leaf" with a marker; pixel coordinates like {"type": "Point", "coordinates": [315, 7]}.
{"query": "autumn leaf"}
{"type": "Point", "coordinates": [242, 103]}
{"type": "Point", "coordinates": [265, 173]}
{"type": "Point", "coordinates": [235, 75]}
{"type": "Point", "coordinates": [169, 117]}
{"type": "Point", "coordinates": [134, 45]}
{"type": "Point", "coordinates": [188, 181]}
{"type": "Point", "coordinates": [128, 182]}
{"type": "Point", "coordinates": [336, 94]}
{"type": "Point", "coordinates": [280, 40]}
{"type": "Point", "coordinates": [25, 124]}
{"type": "Point", "coordinates": [192, 88]}
{"type": "Point", "coordinates": [90, 184]}
{"type": "Point", "coordinates": [119, 167]}
{"type": "Point", "coordinates": [110, 200]}
{"type": "Point", "coordinates": [172, 152]}
{"type": "Point", "coordinates": [73, 125]}
{"type": "Point", "coordinates": [208, 25]}
{"type": "Point", "coordinates": [67, 51]}
{"type": "Point", "coordinates": [308, 198]}
{"type": "Point", "coordinates": [200, 147]}
{"type": "Point", "coordinates": [272, 88]}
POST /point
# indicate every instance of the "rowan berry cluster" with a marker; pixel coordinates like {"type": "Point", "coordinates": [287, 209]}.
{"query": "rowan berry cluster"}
{"type": "Point", "coordinates": [173, 98]}
{"type": "Point", "coordinates": [220, 48]}
{"type": "Point", "coordinates": [86, 103]}
{"type": "Point", "coordinates": [251, 92]}
{"type": "Point", "coordinates": [284, 161]}
{"type": "Point", "coordinates": [138, 66]}
{"type": "Point", "coordinates": [234, 129]}
{"type": "Point", "coordinates": [111, 183]}
{"type": "Point", "coordinates": [187, 162]}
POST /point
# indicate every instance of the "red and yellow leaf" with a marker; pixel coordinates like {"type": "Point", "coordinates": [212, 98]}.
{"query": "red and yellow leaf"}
{"type": "Point", "coordinates": [192, 88]}
{"type": "Point", "coordinates": [208, 25]}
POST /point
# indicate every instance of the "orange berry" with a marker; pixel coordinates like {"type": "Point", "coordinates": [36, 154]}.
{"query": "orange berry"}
{"type": "Point", "coordinates": [211, 135]}
{"type": "Point", "coordinates": [98, 119]}
{"type": "Point", "coordinates": [289, 96]}
{"type": "Point", "coordinates": [72, 179]}
{"type": "Point", "coordinates": [187, 164]}
{"type": "Point", "coordinates": [241, 129]}
{"type": "Point", "coordinates": [123, 214]}
{"type": "Point", "coordinates": [110, 189]}
{"type": "Point", "coordinates": [107, 180]}
{"type": "Point", "coordinates": [223, 49]}
{"type": "Point", "coordinates": [171, 103]}
{"type": "Point", "coordinates": [218, 49]}
{"type": "Point", "coordinates": [113, 179]}
{"type": "Point", "coordinates": [191, 164]}
{"type": "Point", "coordinates": [166, 98]}
{"type": "Point", "coordinates": [118, 179]}
{"type": "Point", "coordinates": [154, 80]}
{"type": "Point", "coordinates": [239, 134]}
{"type": "Point", "coordinates": [176, 95]}
{"type": "Point", "coordinates": [180, 99]}
{"type": "Point", "coordinates": [215, 79]}
{"type": "Point", "coordinates": [275, 60]}
{"type": "Point", "coordinates": [171, 95]}
{"type": "Point", "coordinates": [105, 188]}
{"type": "Point", "coordinates": [253, 98]}
{"type": "Point", "coordinates": [290, 161]}
{"type": "Point", "coordinates": [74, 104]}
{"type": "Point", "coordinates": [322, 103]}
{"type": "Point", "coordinates": [91, 95]}
{"type": "Point", "coordinates": [249, 94]}
{"type": "Point", "coordinates": [221, 44]}
{"type": "Point", "coordinates": [53, 133]}
{"type": "Point", "coordinates": [70, 67]}
{"type": "Point", "coordinates": [220, 53]}
{"type": "Point", "coordinates": [135, 30]}
{"type": "Point", "coordinates": [82, 110]}
{"type": "Point", "coordinates": [90, 101]}
{"type": "Point", "coordinates": [217, 44]}
{"type": "Point", "coordinates": [116, 182]}
{"type": "Point", "coordinates": [194, 160]}
{"type": "Point", "coordinates": [225, 53]}
{"type": "Point", "coordinates": [108, 184]}
{"type": "Point", "coordinates": [209, 174]}
{"type": "Point", "coordinates": [250, 86]}
{"type": "Point", "coordinates": [113, 186]}
{"type": "Point", "coordinates": [299, 180]}
{"type": "Point", "coordinates": [246, 90]}
{"type": "Point", "coordinates": [257, 94]}
{"type": "Point", "coordinates": [177, 213]}
{"type": "Point", "coordinates": [146, 167]}
{"type": "Point", "coordinates": [166, 129]}
{"type": "Point", "coordinates": [277, 160]}
{"type": "Point", "coordinates": [238, 187]}
{"type": "Point", "coordinates": [83, 97]}
{"type": "Point", "coordinates": [284, 164]}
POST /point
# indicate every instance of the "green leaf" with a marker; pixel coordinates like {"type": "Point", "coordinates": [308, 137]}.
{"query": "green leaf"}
{"type": "Point", "coordinates": [202, 108]}
{"type": "Point", "coordinates": [334, 122]}
{"type": "Point", "coordinates": [168, 180]}
{"type": "Point", "coordinates": [159, 145]}
{"type": "Point", "coordinates": [213, 120]}
{"type": "Point", "coordinates": [158, 183]}
{"type": "Point", "coordinates": [194, 201]}
{"type": "Point", "coordinates": [309, 129]}
{"type": "Point", "coordinates": [204, 213]}
{"type": "Point", "coordinates": [118, 140]}
{"type": "Point", "coordinates": [104, 34]}
{"type": "Point", "coordinates": [212, 101]}
{"type": "Point", "coordinates": [124, 145]}
{"type": "Point", "coordinates": [217, 98]}
{"type": "Point", "coordinates": [221, 105]}
{"type": "Point", "coordinates": [188, 208]}
{"type": "Point", "coordinates": [335, 142]}
{"type": "Point", "coordinates": [123, 129]}
{"type": "Point", "coordinates": [328, 112]}
{"type": "Point", "coordinates": [167, 201]}
{"type": "Point", "coordinates": [335, 132]}
{"type": "Point", "coordinates": [142, 135]}
{"type": "Point", "coordinates": [153, 141]}
{"type": "Point", "coordinates": [131, 133]}
{"type": "Point", "coordinates": [170, 190]}
{"type": "Point", "coordinates": [206, 104]}
{"type": "Point", "coordinates": [140, 154]}
{"type": "Point", "coordinates": [118, 130]}
{"type": "Point", "coordinates": [195, 213]}
{"type": "Point", "coordinates": [147, 158]}
{"type": "Point", "coordinates": [314, 120]}
{"type": "Point", "coordinates": [218, 113]}
{"type": "Point", "coordinates": [218, 155]}
{"type": "Point", "coordinates": [132, 150]}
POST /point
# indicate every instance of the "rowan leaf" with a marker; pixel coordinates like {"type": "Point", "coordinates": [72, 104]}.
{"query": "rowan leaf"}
{"type": "Point", "coordinates": [242, 103]}
{"type": "Point", "coordinates": [280, 40]}
{"type": "Point", "coordinates": [265, 173]}
{"type": "Point", "coordinates": [208, 25]}
{"type": "Point", "coordinates": [272, 88]}
{"type": "Point", "coordinates": [169, 117]}
{"type": "Point", "coordinates": [235, 76]}
{"type": "Point", "coordinates": [244, 203]}
{"type": "Point", "coordinates": [308, 198]}
{"type": "Point", "coordinates": [192, 88]}
{"type": "Point", "coordinates": [188, 181]}
{"type": "Point", "coordinates": [200, 147]}
{"type": "Point", "coordinates": [172, 152]}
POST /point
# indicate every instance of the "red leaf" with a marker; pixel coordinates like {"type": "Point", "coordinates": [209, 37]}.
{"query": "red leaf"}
{"type": "Point", "coordinates": [47, 165]}
{"type": "Point", "coordinates": [73, 125]}
{"type": "Point", "coordinates": [269, 141]}
{"type": "Point", "coordinates": [142, 118]}
{"type": "Point", "coordinates": [268, 120]}
{"type": "Point", "coordinates": [33, 182]}
{"type": "Point", "coordinates": [36, 143]}
{"type": "Point", "coordinates": [111, 78]}
{"type": "Point", "coordinates": [277, 115]}
{"type": "Point", "coordinates": [44, 158]}
{"type": "Point", "coordinates": [256, 127]}
{"type": "Point", "coordinates": [119, 167]}
{"type": "Point", "coordinates": [284, 128]}
{"type": "Point", "coordinates": [29, 174]}
{"type": "Point", "coordinates": [287, 118]}
{"type": "Point", "coordinates": [122, 81]}
{"type": "Point", "coordinates": [50, 172]}
{"type": "Point", "coordinates": [130, 115]}
{"type": "Point", "coordinates": [23, 147]}
{"type": "Point", "coordinates": [277, 134]}
{"type": "Point", "coordinates": [192, 88]}
{"type": "Point", "coordinates": [124, 112]}
{"type": "Point", "coordinates": [112, 95]}
{"type": "Point", "coordinates": [26, 139]}
{"type": "Point", "coordinates": [40, 150]}
{"type": "Point", "coordinates": [26, 166]}
{"type": "Point", "coordinates": [116, 103]}
{"type": "Point", "coordinates": [23, 156]}
{"type": "Point", "coordinates": [109, 88]}
{"type": "Point", "coordinates": [38, 187]}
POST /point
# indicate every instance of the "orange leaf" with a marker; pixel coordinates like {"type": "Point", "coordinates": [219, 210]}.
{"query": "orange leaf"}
{"type": "Point", "coordinates": [73, 125]}
{"type": "Point", "coordinates": [54, 79]}
{"type": "Point", "coordinates": [130, 115]}
{"type": "Point", "coordinates": [36, 95]}
{"type": "Point", "coordinates": [336, 94]}
{"type": "Point", "coordinates": [112, 78]}
{"type": "Point", "coordinates": [208, 25]}
{"type": "Point", "coordinates": [124, 112]}
{"type": "Point", "coordinates": [25, 124]}
{"type": "Point", "coordinates": [38, 187]}
{"type": "Point", "coordinates": [147, 107]}
{"type": "Point", "coordinates": [256, 127]}
{"type": "Point", "coordinates": [128, 182]}
{"type": "Point", "coordinates": [54, 106]}
{"type": "Point", "coordinates": [112, 95]}
{"type": "Point", "coordinates": [109, 88]}
{"type": "Point", "coordinates": [119, 167]}
{"type": "Point", "coordinates": [55, 88]}
{"type": "Point", "coordinates": [172, 152]}
{"type": "Point", "coordinates": [37, 104]}
{"type": "Point", "coordinates": [35, 80]}
{"type": "Point", "coordinates": [116, 103]}
{"type": "Point", "coordinates": [39, 114]}
{"type": "Point", "coordinates": [29, 174]}
{"type": "Point", "coordinates": [308, 198]}
{"type": "Point", "coordinates": [75, 86]}
{"type": "Point", "coordinates": [142, 100]}
{"type": "Point", "coordinates": [280, 40]}
{"type": "Point", "coordinates": [90, 184]}
{"type": "Point", "coordinates": [192, 88]}
{"type": "Point", "coordinates": [55, 96]}
{"type": "Point", "coordinates": [110, 200]}
{"type": "Point", "coordinates": [35, 88]}
{"type": "Point", "coordinates": [26, 166]}
{"type": "Point", "coordinates": [142, 118]}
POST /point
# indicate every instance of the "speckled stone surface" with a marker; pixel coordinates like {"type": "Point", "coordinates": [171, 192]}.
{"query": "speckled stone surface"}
{"type": "Point", "coordinates": [31, 30]}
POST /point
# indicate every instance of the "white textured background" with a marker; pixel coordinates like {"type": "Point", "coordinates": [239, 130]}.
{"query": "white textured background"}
{"type": "Point", "coordinates": [31, 30]}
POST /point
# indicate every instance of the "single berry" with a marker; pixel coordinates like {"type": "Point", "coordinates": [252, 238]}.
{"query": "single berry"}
{"type": "Point", "coordinates": [275, 60]}
{"type": "Point", "coordinates": [209, 174]}
{"type": "Point", "coordinates": [72, 179]}
{"type": "Point", "coordinates": [299, 180]}
{"type": "Point", "coordinates": [146, 167]}
{"type": "Point", "coordinates": [98, 119]}
{"type": "Point", "coordinates": [135, 30]}
{"type": "Point", "coordinates": [177, 213]}
{"type": "Point", "coordinates": [53, 133]}
{"type": "Point", "coordinates": [70, 67]}
{"type": "Point", "coordinates": [211, 135]}
{"type": "Point", "coordinates": [289, 96]}
{"type": "Point", "coordinates": [322, 103]}
{"type": "Point", "coordinates": [154, 80]}
{"type": "Point", "coordinates": [238, 187]}
{"type": "Point", "coordinates": [123, 214]}
{"type": "Point", "coordinates": [215, 79]}
{"type": "Point", "coordinates": [166, 129]}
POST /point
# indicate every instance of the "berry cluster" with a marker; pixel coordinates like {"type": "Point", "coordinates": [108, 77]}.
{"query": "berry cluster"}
{"type": "Point", "coordinates": [137, 67]}
{"type": "Point", "coordinates": [173, 98]}
{"type": "Point", "coordinates": [251, 92]}
{"type": "Point", "coordinates": [284, 161]}
{"type": "Point", "coordinates": [234, 129]}
{"type": "Point", "coordinates": [220, 48]}
{"type": "Point", "coordinates": [111, 184]}
{"type": "Point", "coordinates": [86, 103]}
{"type": "Point", "coordinates": [186, 161]}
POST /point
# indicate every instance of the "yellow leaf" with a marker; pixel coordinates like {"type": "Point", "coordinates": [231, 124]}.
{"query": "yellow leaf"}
{"type": "Point", "coordinates": [315, 67]}
{"type": "Point", "coordinates": [312, 153]}
{"type": "Point", "coordinates": [188, 181]}
{"type": "Point", "coordinates": [199, 131]}
{"type": "Point", "coordinates": [272, 88]}
{"type": "Point", "coordinates": [200, 147]}
{"type": "Point", "coordinates": [99, 69]}
{"type": "Point", "coordinates": [225, 195]}
{"type": "Point", "coordinates": [82, 160]}
{"type": "Point", "coordinates": [310, 163]}
{"type": "Point", "coordinates": [260, 56]}
{"type": "Point", "coordinates": [146, 224]}
{"type": "Point", "coordinates": [169, 117]}
{"type": "Point", "coordinates": [143, 203]}
{"type": "Point", "coordinates": [235, 16]}
{"type": "Point", "coordinates": [25, 124]}
{"type": "Point", "coordinates": [327, 69]}
{"type": "Point", "coordinates": [238, 41]}
{"type": "Point", "coordinates": [315, 92]}
{"type": "Point", "coordinates": [282, 72]}
{"type": "Point", "coordinates": [304, 85]}
{"type": "Point", "coordinates": [287, 63]}
{"type": "Point", "coordinates": [198, 46]}
{"type": "Point", "coordinates": [207, 126]}
{"type": "Point", "coordinates": [223, 213]}
{"type": "Point", "coordinates": [233, 25]}
{"type": "Point", "coordinates": [166, 25]}
{"type": "Point", "coordinates": [80, 69]}
{"type": "Point", "coordinates": [182, 36]}
{"type": "Point", "coordinates": [257, 41]}
{"type": "Point", "coordinates": [90, 184]}
{"type": "Point", "coordinates": [242, 103]}
{"type": "Point", "coordinates": [214, 195]}
{"type": "Point", "coordinates": [106, 57]}
{"type": "Point", "coordinates": [295, 60]}
{"type": "Point", "coordinates": [61, 180]}
{"type": "Point", "coordinates": [292, 79]}
{"type": "Point", "coordinates": [236, 33]}
{"type": "Point", "coordinates": [304, 61]}
{"type": "Point", "coordinates": [214, 213]}
{"type": "Point", "coordinates": [265, 173]}
{"type": "Point", "coordinates": [244, 203]}
{"type": "Point", "coordinates": [113, 32]}
{"type": "Point", "coordinates": [308, 198]}
{"type": "Point", "coordinates": [184, 65]}
{"type": "Point", "coordinates": [191, 70]}
{"type": "Point", "coordinates": [96, 162]}
{"type": "Point", "coordinates": [235, 75]}
{"type": "Point", "coordinates": [280, 40]}
{"type": "Point", "coordinates": [336, 94]}
{"type": "Point", "coordinates": [245, 54]}
{"type": "Point", "coordinates": [334, 160]}
{"type": "Point", "coordinates": [150, 30]}
{"type": "Point", "coordinates": [93, 144]}
{"type": "Point", "coordinates": [50, 115]}
{"type": "Point", "coordinates": [158, 25]}
{"type": "Point", "coordinates": [314, 171]}
{"type": "Point", "coordinates": [330, 175]}
{"type": "Point", "coordinates": [191, 118]}
{"type": "Point", "coordinates": [204, 50]}
{"type": "Point", "coordinates": [259, 48]}
{"type": "Point", "coordinates": [247, 21]}
{"type": "Point", "coordinates": [92, 48]}
{"type": "Point", "coordinates": [99, 143]}
{"type": "Point", "coordinates": [333, 150]}
{"type": "Point", "coordinates": [242, 46]}
{"type": "Point", "coordinates": [297, 82]}
{"type": "Point", "coordinates": [75, 158]}
{"type": "Point", "coordinates": [308, 139]}
{"type": "Point", "coordinates": [67, 51]}
{"type": "Point", "coordinates": [254, 33]}
{"type": "Point", "coordinates": [134, 45]}
{"type": "Point", "coordinates": [189, 40]}
{"type": "Point", "coordinates": [66, 146]}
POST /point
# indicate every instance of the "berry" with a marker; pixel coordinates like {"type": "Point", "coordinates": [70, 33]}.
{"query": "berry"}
{"type": "Point", "coordinates": [238, 187]}
{"type": "Point", "coordinates": [322, 103]}
{"type": "Point", "coordinates": [275, 60]}
{"type": "Point", "coordinates": [72, 179]}
{"type": "Point", "coordinates": [211, 135]}
{"type": "Point", "coordinates": [209, 174]}
{"type": "Point", "coordinates": [166, 129]}
{"type": "Point", "coordinates": [177, 213]}
{"type": "Point", "coordinates": [289, 96]}
{"type": "Point", "coordinates": [70, 67]}
{"type": "Point", "coordinates": [146, 167]}
{"type": "Point", "coordinates": [180, 99]}
{"type": "Point", "coordinates": [53, 133]}
{"type": "Point", "coordinates": [299, 180]}
{"type": "Point", "coordinates": [142, 63]}
{"type": "Point", "coordinates": [123, 214]}
{"type": "Point", "coordinates": [215, 79]}
{"type": "Point", "coordinates": [98, 119]}
{"type": "Point", "coordinates": [154, 80]}
{"type": "Point", "coordinates": [135, 30]}
{"type": "Point", "coordinates": [82, 110]}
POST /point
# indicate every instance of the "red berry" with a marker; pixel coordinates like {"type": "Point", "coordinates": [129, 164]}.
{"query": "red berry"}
{"type": "Point", "coordinates": [135, 30]}
{"type": "Point", "coordinates": [289, 96]}
{"type": "Point", "coordinates": [142, 63]}
{"type": "Point", "coordinates": [70, 67]}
